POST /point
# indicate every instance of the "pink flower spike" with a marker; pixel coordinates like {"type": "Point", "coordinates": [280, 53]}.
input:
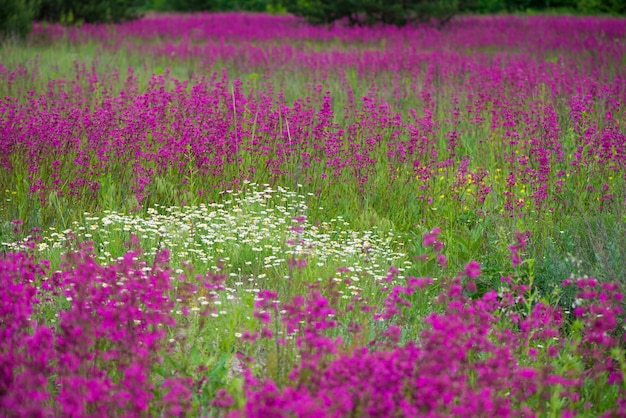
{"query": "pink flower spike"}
{"type": "Point", "coordinates": [472, 269]}
{"type": "Point", "coordinates": [430, 238]}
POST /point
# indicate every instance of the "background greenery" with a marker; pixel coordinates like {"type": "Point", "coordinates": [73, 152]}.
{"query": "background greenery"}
{"type": "Point", "coordinates": [16, 16]}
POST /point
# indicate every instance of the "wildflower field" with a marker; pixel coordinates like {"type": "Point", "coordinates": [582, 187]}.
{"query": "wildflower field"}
{"type": "Point", "coordinates": [241, 215]}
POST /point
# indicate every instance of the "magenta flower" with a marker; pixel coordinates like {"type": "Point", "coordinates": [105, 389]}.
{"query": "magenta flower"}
{"type": "Point", "coordinates": [472, 269]}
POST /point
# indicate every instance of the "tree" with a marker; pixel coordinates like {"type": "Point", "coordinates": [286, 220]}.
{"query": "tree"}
{"type": "Point", "coordinates": [16, 18]}
{"type": "Point", "coordinates": [97, 11]}
{"type": "Point", "coordinates": [369, 12]}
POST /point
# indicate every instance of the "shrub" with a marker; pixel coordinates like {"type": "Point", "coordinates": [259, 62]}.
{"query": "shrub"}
{"type": "Point", "coordinates": [16, 17]}
{"type": "Point", "coordinates": [614, 7]}
{"type": "Point", "coordinates": [215, 5]}
{"type": "Point", "coordinates": [103, 11]}
{"type": "Point", "coordinates": [370, 12]}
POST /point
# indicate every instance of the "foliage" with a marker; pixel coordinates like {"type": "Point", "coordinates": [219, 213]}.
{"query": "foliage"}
{"type": "Point", "coordinates": [614, 7]}
{"type": "Point", "coordinates": [101, 11]}
{"type": "Point", "coordinates": [584, 7]}
{"type": "Point", "coordinates": [394, 12]}
{"type": "Point", "coordinates": [92, 340]}
{"type": "Point", "coordinates": [16, 18]}
{"type": "Point", "coordinates": [218, 5]}
{"type": "Point", "coordinates": [369, 12]}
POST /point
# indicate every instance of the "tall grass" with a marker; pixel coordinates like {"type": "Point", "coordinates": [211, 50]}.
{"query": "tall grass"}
{"type": "Point", "coordinates": [241, 212]}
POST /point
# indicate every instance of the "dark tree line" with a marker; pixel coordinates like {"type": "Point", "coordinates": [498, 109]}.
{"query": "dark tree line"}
{"type": "Point", "coordinates": [16, 16]}
{"type": "Point", "coordinates": [367, 12]}
{"type": "Point", "coordinates": [397, 12]}
{"type": "Point", "coordinates": [98, 11]}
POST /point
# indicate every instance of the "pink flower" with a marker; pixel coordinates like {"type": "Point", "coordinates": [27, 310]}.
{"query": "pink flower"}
{"type": "Point", "coordinates": [430, 238]}
{"type": "Point", "coordinates": [472, 269]}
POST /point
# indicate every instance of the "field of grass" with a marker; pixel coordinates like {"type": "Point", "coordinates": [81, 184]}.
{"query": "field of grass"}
{"type": "Point", "coordinates": [243, 215]}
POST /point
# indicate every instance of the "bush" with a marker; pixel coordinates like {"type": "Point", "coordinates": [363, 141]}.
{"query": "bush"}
{"type": "Point", "coordinates": [324, 11]}
{"type": "Point", "coordinates": [400, 14]}
{"type": "Point", "coordinates": [370, 12]}
{"type": "Point", "coordinates": [103, 11]}
{"type": "Point", "coordinates": [396, 12]}
{"type": "Point", "coordinates": [217, 5]}
{"type": "Point", "coordinates": [614, 7]}
{"type": "Point", "coordinates": [16, 17]}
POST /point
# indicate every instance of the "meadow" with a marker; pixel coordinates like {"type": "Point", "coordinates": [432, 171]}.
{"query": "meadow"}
{"type": "Point", "coordinates": [231, 215]}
